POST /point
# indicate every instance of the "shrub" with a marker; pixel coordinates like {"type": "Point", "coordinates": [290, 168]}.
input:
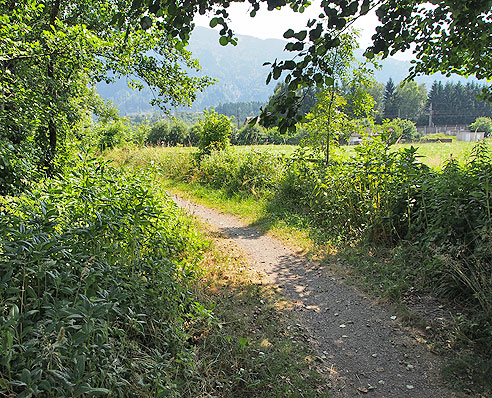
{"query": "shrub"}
{"type": "Point", "coordinates": [170, 134]}
{"type": "Point", "coordinates": [94, 290]}
{"type": "Point", "coordinates": [482, 124]}
{"type": "Point", "coordinates": [251, 135]}
{"type": "Point", "coordinates": [159, 132]}
{"type": "Point", "coordinates": [17, 167]}
{"type": "Point", "coordinates": [251, 173]}
{"type": "Point", "coordinates": [193, 135]}
{"type": "Point", "coordinates": [112, 133]}
{"type": "Point", "coordinates": [178, 133]}
{"type": "Point", "coordinates": [404, 128]}
{"type": "Point", "coordinates": [215, 131]}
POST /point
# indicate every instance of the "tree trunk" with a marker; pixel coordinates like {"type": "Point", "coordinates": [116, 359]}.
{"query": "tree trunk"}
{"type": "Point", "coordinates": [328, 130]}
{"type": "Point", "coordinates": [52, 95]}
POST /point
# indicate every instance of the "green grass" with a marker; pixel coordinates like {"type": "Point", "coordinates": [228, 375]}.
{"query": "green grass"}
{"type": "Point", "coordinates": [433, 154]}
{"type": "Point", "coordinates": [252, 210]}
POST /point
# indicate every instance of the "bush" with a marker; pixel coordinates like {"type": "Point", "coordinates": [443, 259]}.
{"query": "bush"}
{"type": "Point", "coordinates": [482, 124]}
{"type": "Point", "coordinates": [159, 132]}
{"type": "Point", "coordinates": [94, 290]}
{"type": "Point", "coordinates": [215, 131]}
{"type": "Point", "coordinates": [112, 133]}
{"type": "Point", "coordinates": [139, 134]}
{"type": "Point", "coordinates": [171, 134]}
{"type": "Point", "coordinates": [193, 135]}
{"type": "Point", "coordinates": [250, 173]}
{"type": "Point", "coordinates": [251, 135]}
{"type": "Point", "coordinates": [17, 167]}
{"type": "Point", "coordinates": [405, 129]}
{"type": "Point", "coordinates": [178, 133]}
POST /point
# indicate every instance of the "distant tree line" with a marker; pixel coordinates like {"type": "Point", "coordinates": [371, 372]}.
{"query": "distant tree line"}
{"type": "Point", "coordinates": [240, 110]}
{"type": "Point", "coordinates": [450, 103]}
{"type": "Point", "coordinates": [400, 106]}
{"type": "Point", "coordinates": [455, 103]}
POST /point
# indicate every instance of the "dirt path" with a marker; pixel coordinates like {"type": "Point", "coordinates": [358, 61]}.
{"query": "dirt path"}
{"type": "Point", "coordinates": [366, 349]}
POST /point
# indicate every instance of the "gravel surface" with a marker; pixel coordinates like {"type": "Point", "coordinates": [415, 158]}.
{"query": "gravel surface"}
{"type": "Point", "coordinates": [364, 347]}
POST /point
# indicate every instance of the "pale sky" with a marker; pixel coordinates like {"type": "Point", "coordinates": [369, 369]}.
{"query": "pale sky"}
{"type": "Point", "coordinates": [272, 24]}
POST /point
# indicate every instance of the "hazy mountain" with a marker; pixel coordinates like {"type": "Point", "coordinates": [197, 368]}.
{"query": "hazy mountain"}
{"type": "Point", "coordinates": [239, 71]}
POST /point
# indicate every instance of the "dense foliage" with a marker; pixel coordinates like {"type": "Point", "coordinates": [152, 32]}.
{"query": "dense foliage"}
{"type": "Point", "coordinates": [483, 124]}
{"type": "Point", "coordinates": [214, 131]}
{"type": "Point", "coordinates": [51, 52]}
{"type": "Point", "coordinates": [455, 103]}
{"type": "Point", "coordinates": [168, 133]}
{"type": "Point", "coordinates": [239, 111]}
{"type": "Point", "coordinates": [94, 297]}
{"type": "Point", "coordinates": [256, 173]}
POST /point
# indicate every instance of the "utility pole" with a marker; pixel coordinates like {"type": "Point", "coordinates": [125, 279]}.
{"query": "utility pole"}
{"type": "Point", "coordinates": [431, 112]}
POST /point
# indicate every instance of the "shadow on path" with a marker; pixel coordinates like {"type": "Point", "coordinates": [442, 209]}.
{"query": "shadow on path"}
{"type": "Point", "coordinates": [364, 346]}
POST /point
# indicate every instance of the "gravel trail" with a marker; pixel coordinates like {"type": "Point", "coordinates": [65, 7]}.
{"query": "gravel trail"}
{"type": "Point", "coordinates": [364, 347]}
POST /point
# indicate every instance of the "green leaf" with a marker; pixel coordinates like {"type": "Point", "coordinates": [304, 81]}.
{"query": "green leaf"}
{"type": "Point", "coordinates": [301, 35]}
{"type": "Point", "coordinates": [223, 41]}
{"type": "Point", "coordinates": [146, 22]}
{"type": "Point", "coordinates": [289, 65]}
{"type": "Point", "coordinates": [288, 34]}
{"type": "Point", "coordinates": [213, 22]}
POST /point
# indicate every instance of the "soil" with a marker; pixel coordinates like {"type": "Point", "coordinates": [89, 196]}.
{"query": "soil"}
{"type": "Point", "coordinates": [365, 348]}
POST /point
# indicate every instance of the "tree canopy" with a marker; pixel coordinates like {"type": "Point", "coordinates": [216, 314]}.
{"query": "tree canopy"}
{"type": "Point", "coordinates": [445, 36]}
{"type": "Point", "coordinates": [52, 51]}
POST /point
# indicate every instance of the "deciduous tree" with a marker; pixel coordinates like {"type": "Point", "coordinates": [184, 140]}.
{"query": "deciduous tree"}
{"type": "Point", "coordinates": [51, 50]}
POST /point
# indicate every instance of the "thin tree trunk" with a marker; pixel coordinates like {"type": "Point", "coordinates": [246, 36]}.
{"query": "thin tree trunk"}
{"type": "Point", "coordinates": [52, 97]}
{"type": "Point", "coordinates": [330, 107]}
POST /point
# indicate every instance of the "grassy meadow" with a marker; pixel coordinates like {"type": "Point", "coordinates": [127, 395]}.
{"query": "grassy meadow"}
{"type": "Point", "coordinates": [433, 154]}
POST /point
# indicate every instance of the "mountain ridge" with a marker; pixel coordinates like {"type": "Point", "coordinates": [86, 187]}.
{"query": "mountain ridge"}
{"type": "Point", "coordinates": [239, 71]}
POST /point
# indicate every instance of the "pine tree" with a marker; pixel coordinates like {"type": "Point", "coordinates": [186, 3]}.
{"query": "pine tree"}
{"type": "Point", "coordinates": [390, 110]}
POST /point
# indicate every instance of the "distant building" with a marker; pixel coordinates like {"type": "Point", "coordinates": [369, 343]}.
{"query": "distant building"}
{"type": "Point", "coordinates": [355, 139]}
{"type": "Point", "coordinates": [461, 131]}
{"type": "Point", "coordinates": [443, 129]}
{"type": "Point", "coordinates": [470, 136]}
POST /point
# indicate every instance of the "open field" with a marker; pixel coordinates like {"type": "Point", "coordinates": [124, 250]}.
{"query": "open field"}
{"type": "Point", "coordinates": [432, 154]}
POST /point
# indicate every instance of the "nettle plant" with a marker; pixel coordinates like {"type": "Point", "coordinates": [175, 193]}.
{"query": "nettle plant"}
{"type": "Point", "coordinates": [95, 269]}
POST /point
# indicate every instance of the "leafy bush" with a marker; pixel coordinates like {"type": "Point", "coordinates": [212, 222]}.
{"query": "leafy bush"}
{"type": "Point", "coordinates": [390, 198]}
{"type": "Point", "coordinates": [112, 133]}
{"type": "Point", "coordinates": [251, 135]}
{"type": "Point", "coordinates": [252, 172]}
{"type": "Point", "coordinates": [94, 287]}
{"type": "Point", "coordinates": [194, 135]}
{"type": "Point", "coordinates": [170, 134]}
{"type": "Point", "coordinates": [482, 124]}
{"type": "Point", "coordinates": [215, 131]}
{"type": "Point", "coordinates": [408, 129]}
{"type": "Point", "coordinates": [17, 167]}
{"type": "Point", "coordinates": [138, 134]}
